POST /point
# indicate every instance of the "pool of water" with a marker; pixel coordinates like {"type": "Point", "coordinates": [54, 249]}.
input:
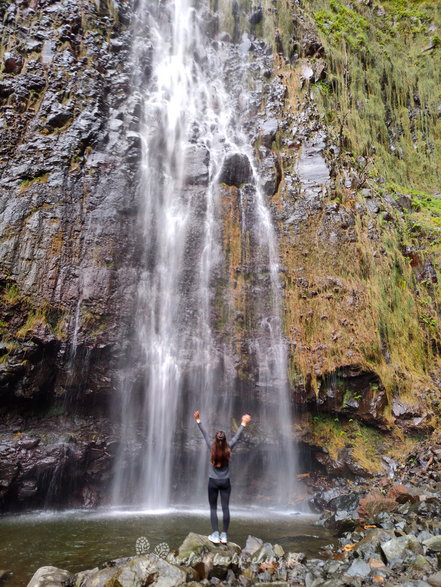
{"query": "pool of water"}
{"type": "Point", "coordinates": [78, 539]}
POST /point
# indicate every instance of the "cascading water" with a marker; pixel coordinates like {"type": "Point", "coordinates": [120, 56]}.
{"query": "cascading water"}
{"type": "Point", "coordinates": [190, 125]}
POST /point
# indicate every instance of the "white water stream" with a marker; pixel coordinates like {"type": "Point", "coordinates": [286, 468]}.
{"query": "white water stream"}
{"type": "Point", "coordinates": [191, 120]}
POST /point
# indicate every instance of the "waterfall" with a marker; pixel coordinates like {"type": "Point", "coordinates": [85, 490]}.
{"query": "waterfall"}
{"type": "Point", "coordinates": [190, 123]}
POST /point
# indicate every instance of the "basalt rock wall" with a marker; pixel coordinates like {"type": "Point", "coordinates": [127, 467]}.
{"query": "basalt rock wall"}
{"type": "Point", "coordinates": [357, 240]}
{"type": "Point", "coordinates": [68, 162]}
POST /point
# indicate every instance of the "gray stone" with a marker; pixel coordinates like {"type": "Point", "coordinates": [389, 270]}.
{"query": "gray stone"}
{"type": "Point", "coordinates": [341, 522]}
{"type": "Point", "coordinates": [151, 570]}
{"type": "Point", "coordinates": [321, 500]}
{"type": "Point", "coordinates": [421, 563]}
{"type": "Point", "coordinates": [278, 550]}
{"type": "Point", "coordinates": [307, 72]}
{"type": "Point", "coordinates": [95, 577]}
{"type": "Point", "coordinates": [264, 553]}
{"type": "Point", "coordinates": [222, 563]}
{"type": "Point", "coordinates": [269, 131]}
{"type": "Point", "coordinates": [435, 580]}
{"type": "Point", "coordinates": [347, 502]}
{"type": "Point", "coordinates": [236, 170]}
{"type": "Point", "coordinates": [59, 118]}
{"type": "Point", "coordinates": [424, 535]}
{"type": "Point", "coordinates": [433, 543]}
{"type": "Point", "coordinates": [312, 168]}
{"type": "Point", "coordinates": [197, 159]}
{"type": "Point", "coordinates": [294, 559]}
{"type": "Point", "coordinates": [138, 571]}
{"type": "Point", "coordinates": [370, 544]}
{"type": "Point", "coordinates": [197, 545]}
{"type": "Point", "coordinates": [50, 577]}
{"type": "Point", "coordinates": [252, 545]}
{"type": "Point", "coordinates": [359, 568]}
{"type": "Point", "coordinates": [399, 549]}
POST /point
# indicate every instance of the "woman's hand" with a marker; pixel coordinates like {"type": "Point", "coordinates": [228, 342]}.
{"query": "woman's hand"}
{"type": "Point", "coordinates": [246, 418]}
{"type": "Point", "coordinates": [197, 416]}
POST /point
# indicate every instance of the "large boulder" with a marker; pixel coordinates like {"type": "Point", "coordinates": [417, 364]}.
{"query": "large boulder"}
{"type": "Point", "coordinates": [433, 543]}
{"type": "Point", "coordinates": [147, 569]}
{"type": "Point", "coordinates": [236, 170]}
{"type": "Point", "coordinates": [347, 502]}
{"type": "Point", "coordinates": [342, 521]}
{"type": "Point", "coordinates": [196, 545]}
{"type": "Point", "coordinates": [369, 546]}
{"type": "Point", "coordinates": [374, 505]}
{"type": "Point", "coordinates": [401, 549]}
{"type": "Point", "coordinates": [207, 559]}
{"type": "Point", "coordinates": [50, 577]}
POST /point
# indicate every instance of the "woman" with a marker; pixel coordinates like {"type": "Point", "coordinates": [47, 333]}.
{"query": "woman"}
{"type": "Point", "coordinates": [219, 476]}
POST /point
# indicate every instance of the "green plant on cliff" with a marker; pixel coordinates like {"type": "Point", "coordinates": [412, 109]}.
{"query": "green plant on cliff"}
{"type": "Point", "coordinates": [385, 75]}
{"type": "Point", "coordinates": [11, 293]}
{"type": "Point", "coordinates": [35, 318]}
{"type": "Point", "coordinates": [41, 178]}
{"type": "Point", "coordinates": [363, 442]}
{"type": "Point", "coordinates": [342, 22]}
{"type": "Point", "coordinates": [380, 103]}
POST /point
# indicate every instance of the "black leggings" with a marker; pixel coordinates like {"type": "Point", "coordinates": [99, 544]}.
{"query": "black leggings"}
{"type": "Point", "coordinates": [222, 486]}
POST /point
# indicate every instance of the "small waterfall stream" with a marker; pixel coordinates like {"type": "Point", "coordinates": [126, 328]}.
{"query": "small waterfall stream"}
{"type": "Point", "coordinates": [190, 124]}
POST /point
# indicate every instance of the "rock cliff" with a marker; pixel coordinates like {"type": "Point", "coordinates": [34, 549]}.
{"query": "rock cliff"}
{"type": "Point", "coordinates": [68, 209]}
{"type": "Point", "coordinates": [346, 130]}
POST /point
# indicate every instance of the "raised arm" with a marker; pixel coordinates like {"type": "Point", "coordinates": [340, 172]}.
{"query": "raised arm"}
{"type": "Point", "coordinates": [197, 417]}
{"type": "Point", "coordinates": [245, 419]}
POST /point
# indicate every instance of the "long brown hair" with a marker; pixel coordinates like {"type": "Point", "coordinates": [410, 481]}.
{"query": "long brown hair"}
{"type": "Point", "coordinates": [220, 451]}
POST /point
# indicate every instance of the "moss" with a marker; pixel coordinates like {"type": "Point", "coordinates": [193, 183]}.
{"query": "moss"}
{"type": "Point", "coordinates": [375, 96]}
{"type": "Point", "coordinates": [94, 323]}
{"type": "Point", "coordinates": [384, 85]}
{"type": "Point", "coordinates": [365, 444]}
{"type": "Point", "coordinates": [25, 183]}
{"type": "Point", "coordinates": [341, 22]}
{"type": "Point", "coordinates": [368, 314]}
{"type": "Point", "coordinates": [32, 316]}
{"type": "Point", "coordinates": [34, 319]}
{"type": "Point", "coordinates": [11, 294]}
{"type": "Point", "coordinates": [328, 431]}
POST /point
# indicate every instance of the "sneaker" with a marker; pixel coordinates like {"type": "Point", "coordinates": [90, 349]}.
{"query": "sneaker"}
{"type": "Point", "coordinates": [223, 538]}
{"type": "Point", "coordinates": [214, 538]}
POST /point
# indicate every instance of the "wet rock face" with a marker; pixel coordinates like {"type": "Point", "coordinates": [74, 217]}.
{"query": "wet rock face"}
{"type": "Point", "coordinates": [355, 393]}
{"type": "Point", "coordinates": [68, 158]}
{"type": "Point", "coordinates": [56, 457]}
{"type": "Point", "coordinates": [236, 170]}
{"type": "Point", "coordinates": [67, 162]}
